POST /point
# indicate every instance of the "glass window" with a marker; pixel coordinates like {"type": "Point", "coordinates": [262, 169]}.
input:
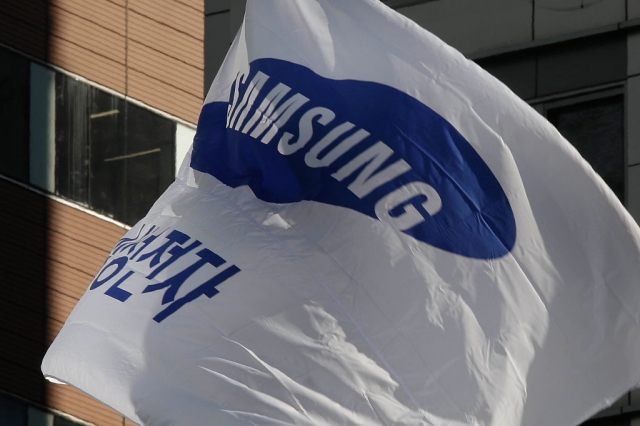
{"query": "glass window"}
{"type": "Point", "coordinates": [72, 172]}
{"type": "Point", "coordinates": [596, 129]}
{"type": "Point", "coordinates": [12, 412]}
{"type": "Point", "coordinates": [39, 418]}
{"type": "Point", "coordinates": [61, 421]}
{"type": "Point", "coordinates": [217, 38]}
{"type": "Point", "coordinates": [14, 116]}
{"type": "Point", "coordinates": [396, 4]}
{"type": "Point", "coordinates": [111, 155]}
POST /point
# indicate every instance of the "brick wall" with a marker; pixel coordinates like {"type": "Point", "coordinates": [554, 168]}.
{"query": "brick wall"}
{"type": "Point", "coordinates": [49, 253]}
{"type": "Point", "coordinates": [151, 50]}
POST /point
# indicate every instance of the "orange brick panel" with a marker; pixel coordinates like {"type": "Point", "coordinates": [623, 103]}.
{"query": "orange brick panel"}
{"type": "Point", "coordinates": [24, 203]}
{"type": "Point", "coordinates": [22, 232]}
{"type": "Point", "coordinates": [60, 305]}
{"type": "Point", "coordinates": [198, 6]}
{"type": "Point", "coordinates": [31, 12]}
{"type": "Point", "coordinates": [172, 14]}
{"type": "Point", "coordinates": [93, 230]}
{"type": "Point", "coordinates": [68, 280]}
{"type": "Point", "coordinates": [166, 69]}
{"type": "Point", "coordinates": [75, 254]}
{"type": "Point", "coordinates": [23, 26]}
{"type": "Point", "coordinates": [166, 40]}
{"type": "Point", "coordinates": [101, 239]}
{"type": "Point", "coordinates": [88, 64]}
{"type": "Point", "coordinates": [21, 290]}
{"type": "Point", "coordinates": [21, 351]}
{"type": "Point", "coordinates": [104, 13]}
{"type": "Point", "coordinates": [28, 264]}
{"type": "Point", "coordinates": [25, 382]}
{"type": "Point", "coordinates": [164, 96]}
{"type": "Point", "coordinates": [52, 329]}
{"type": "Point", "coordinates": [70, 400]}
{"type": "Point", "coordinates": [29, 39]}
{"type": "Point", "coordinates": [42, 285]}
{"type": "Point", "coordinates": [121, 3]}
{"type": "Point", "coordinates": [24, 324]}
{"type": "Point", "coordinates": [88, 35]}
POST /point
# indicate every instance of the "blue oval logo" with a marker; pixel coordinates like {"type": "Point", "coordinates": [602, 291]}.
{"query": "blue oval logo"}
{"type": "Point", "coordinates": [291, 135]}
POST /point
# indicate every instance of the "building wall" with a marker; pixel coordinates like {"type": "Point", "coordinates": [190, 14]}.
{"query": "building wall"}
{"type": "Point", "coordinates": [633, 124]}
{"type": "Point", "coordinates": [152, 52]}
{"type": "Point", "coordinates": [545, 49]}
{"type": "Point", "coordinates": [542, 49]}
{"type": "Point", "coordinates": [551, 53]}
{"type": "Point", "coordinates": [557, 53]}
{"type": "Point", "coordinates": [482, 27]}
{"type": "Point", "coordinates": [49, 252]}
{"type": "Point", "coordinates": [149, 50]}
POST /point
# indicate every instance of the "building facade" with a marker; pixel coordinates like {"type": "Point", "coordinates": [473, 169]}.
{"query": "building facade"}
{"type": "Point", "coordinates": [98, 105]}
{"type": "Point", "coordinates": [577, 62]}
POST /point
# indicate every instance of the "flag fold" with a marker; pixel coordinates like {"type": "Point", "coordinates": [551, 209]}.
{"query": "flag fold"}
{"type": "Point", "coordinates": [369, 229]}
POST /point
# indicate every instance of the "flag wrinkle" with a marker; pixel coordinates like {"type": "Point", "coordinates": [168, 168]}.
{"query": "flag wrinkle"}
{"type": "Point", "coordinates": [361, 308]}
{"type": "Point", "coordinates": [329, 292]}
{"type": "Point", "coordinates": [299, 56]}
{"type": "Point", "coordinates": [276, 374]}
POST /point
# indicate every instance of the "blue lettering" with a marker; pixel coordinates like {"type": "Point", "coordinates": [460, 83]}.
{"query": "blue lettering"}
{"type": "Point", "coordinates": [397, 147]}
{"type": "Point", "coordinates": [119, 263]}
{"type": "Point", "coordinates": [207, 289]}
{"type": "Point", "coordinates": [175, 237]}
{"type": "Point", "coordinates": [131, 243]}
{"type": "Point", "coordinates": [174, 283]}
{"type": "Point", "coordinates": [174, 247]}
{"type": "Point", "coordinates": [116, 292]}
{"type": "Point", "coordinates": [176, 253]}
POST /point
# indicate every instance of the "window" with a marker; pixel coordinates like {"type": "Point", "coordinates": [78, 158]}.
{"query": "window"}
{"type": "Point", "coordinates": [111, 155]}
{"type": "Point", "coordinates": [396, 4]}
{"type": "Point", "coordinates": [106, 153]}
{"type": "Point", "coordinates": [596, 128]}
{"type": "Point", "coordinates": [14, 116]}
{"type": "Point", "coordinates": [60, 421]}
{"type": "Point", "coordinates": [12, 411]}
{"type": "Point", "coordinates": [17, 412]}
{"type": "Point", "coordinates": [576, 84]}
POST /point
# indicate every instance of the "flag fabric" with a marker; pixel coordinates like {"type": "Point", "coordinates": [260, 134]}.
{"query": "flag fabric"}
{"type": "Point", "coordinates": [369, 229]}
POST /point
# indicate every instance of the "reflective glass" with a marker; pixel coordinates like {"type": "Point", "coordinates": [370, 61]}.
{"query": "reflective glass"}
{"type": "Point", "coordinates": [113, 156]}
{"type": "Point", "coordinates": [61, 421]}
{"type": "Point", "coordinates": [596, 129]}
{"type": "Point", "coordinates": [12, 412]}
{"type": "Point", "coordinates": [14, 116]}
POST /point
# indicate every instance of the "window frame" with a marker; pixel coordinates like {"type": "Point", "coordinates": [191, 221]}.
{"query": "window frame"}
{"type": "Point", "coordinates": [547, 103]}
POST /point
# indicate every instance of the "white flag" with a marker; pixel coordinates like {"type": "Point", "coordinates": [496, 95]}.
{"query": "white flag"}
{"type": "Point", "coordinates": [369, 229]}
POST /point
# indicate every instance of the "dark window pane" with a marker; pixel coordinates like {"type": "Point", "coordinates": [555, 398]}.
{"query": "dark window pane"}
{"type": "Point", "coordinates": [596, 129]}
{"type": "Point", "coordinates": [12, 412]}
{"type": "Point", "coordinates": [516, 70]}
{"type": "Point", "coordinates": [72, 172]}
{"type": "Point", "coordinates": [61, 421]}
{"type": "Point", "coordinates": [217, 38]}
{"type": "Point", "coordinates": [130, 168]}
{"type": "Point", "coordinates": [581, 63]}
{"type": "Point", "coordinates": [619, 420]}
{"type": "Point", "coordinates": [404, 3]}
{"type": "Point", "coordinates": [150, 168]}
{"type": "Point", "coordinates": [107, 142]}
{"type": "Point", "coordinates": [114, 156]}
{"type": "Point", "coordinates": [14, 116]}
